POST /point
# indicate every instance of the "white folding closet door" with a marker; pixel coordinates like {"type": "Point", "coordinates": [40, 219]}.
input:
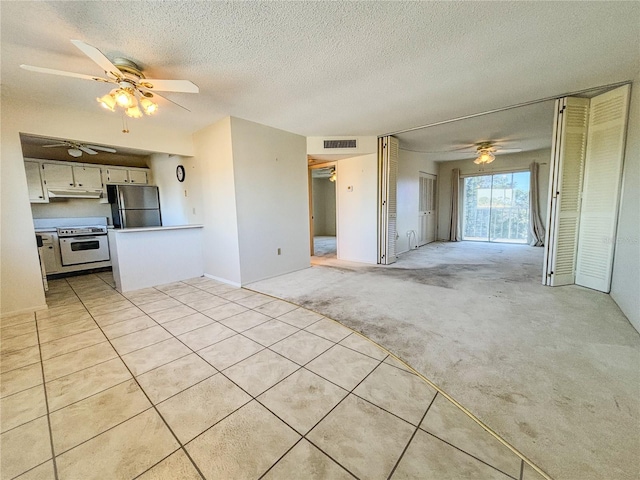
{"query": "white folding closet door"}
{"type": "Point", "coordinates": [388, 153]}
{"type": "Point", "coordinates": [566, 175]}
{"type": "Point", "coordinates": [427, 208]}
{"type": "Point", "coordinates": [601, 191]}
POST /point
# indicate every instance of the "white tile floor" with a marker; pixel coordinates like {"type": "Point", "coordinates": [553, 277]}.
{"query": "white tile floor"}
{"type": "Point", "coordinates": [202, 380]}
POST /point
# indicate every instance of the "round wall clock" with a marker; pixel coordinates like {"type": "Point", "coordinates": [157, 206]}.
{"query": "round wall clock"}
{"type": "Point", "coordinates": [180, 173]}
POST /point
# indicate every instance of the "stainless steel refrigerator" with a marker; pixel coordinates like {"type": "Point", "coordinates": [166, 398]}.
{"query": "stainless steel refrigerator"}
{"type": "Point", "coordinates": [134, 206]}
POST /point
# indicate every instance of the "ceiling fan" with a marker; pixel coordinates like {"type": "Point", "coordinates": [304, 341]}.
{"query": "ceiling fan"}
{"type": "Point", "coordinates": [133, 92]}
{"type": "Point", "coordinates": [75, 149]}
{"type": "Point", "coordinates": [484, 152]}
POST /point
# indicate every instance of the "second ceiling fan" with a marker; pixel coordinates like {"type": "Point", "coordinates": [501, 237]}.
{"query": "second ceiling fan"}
{"type": "Point", "coordinates": [75, 149]}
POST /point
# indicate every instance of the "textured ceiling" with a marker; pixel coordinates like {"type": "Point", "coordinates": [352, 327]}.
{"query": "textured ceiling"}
{"type": "Point", "coordinates": [33, 147]}
{"type": "Point", "coordinates": [527, 128]}
{"type": "Point", "coordinates": [325, 68]}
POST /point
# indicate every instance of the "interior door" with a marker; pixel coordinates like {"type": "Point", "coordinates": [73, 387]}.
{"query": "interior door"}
{"type": "Point", "coordinates": [388, 154]}
{"type": "Point", "coordinates": [601, 192]}
{"type": "Point", "coordinates": [427, 208]}
{"type": "Point", "coordinates": [565, 189]}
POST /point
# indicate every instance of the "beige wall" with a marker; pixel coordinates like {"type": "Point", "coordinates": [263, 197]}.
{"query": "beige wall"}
{"type": "Point", "coordinates": [625, 283]}
{"type": "Point", "coordinates": [71, 207]}
{"type": "Point", "coordinates": [409, 167]}
{"type": "Point", "coordinates": [358, 208]}
{"type": "Point", "coordinates": [502, 163]}
{"type": "Point", "coordinates": [324, 207]}
{"type": "Point", "coordinates": [213, 165]}
{"type": "Point", "coordinates": [180, 202]}
{"type": "Point", "coordinates": [272, 199]}
{"type": "Point", "coordinates": [19, 267]}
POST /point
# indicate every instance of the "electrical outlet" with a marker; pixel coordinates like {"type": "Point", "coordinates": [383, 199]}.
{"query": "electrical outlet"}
{"type": "Point", "coordinates": [279, 251]}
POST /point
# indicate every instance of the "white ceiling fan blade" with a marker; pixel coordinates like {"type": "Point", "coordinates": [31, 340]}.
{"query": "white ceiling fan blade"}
{"type": "Point", "coordinates": [98, 57]}
{"type": "Point", "coordinates": [87, 150]}
{"type": "Point", "coordinates": [500, 151]}
{"type": "Point", "coordinates": [64, 73]}
{"type": "Point", "coordinates": [175, 103]}
{"type": "Point", "coordinates": [183, 86]}
{"type": "Point", "coordinates": [102, 149]}
{"type": "Point", "coordinates": [456, 150]}
{"type": "Point", "coordinates": [56, 145]}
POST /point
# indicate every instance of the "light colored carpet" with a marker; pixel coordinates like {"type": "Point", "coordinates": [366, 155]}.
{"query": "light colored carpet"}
{"type": "Point", "coordinates": [554, 371]}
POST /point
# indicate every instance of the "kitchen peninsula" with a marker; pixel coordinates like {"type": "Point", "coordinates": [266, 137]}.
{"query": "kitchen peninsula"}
{"type": "Point", "coordinates": [149, 256]}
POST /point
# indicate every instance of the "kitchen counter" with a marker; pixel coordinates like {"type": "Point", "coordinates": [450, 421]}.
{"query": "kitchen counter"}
{"type": "Point", "coordinates": [150, 229]}
{"type": "Point", "coordinates": [150, 256]}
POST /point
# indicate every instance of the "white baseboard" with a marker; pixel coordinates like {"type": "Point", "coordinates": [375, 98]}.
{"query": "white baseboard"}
{"type": "Point", "coordinates": [223, 280]}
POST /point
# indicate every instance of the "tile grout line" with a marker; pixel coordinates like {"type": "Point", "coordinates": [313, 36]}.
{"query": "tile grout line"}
{"type": "Point", "coordinates": [107, 430]}
{"type": "Point", "coordinates": [267, 347]}
{"type": "Point", "coordinates": [469, 454]}
{"type": "Point", "coordinates": [406, 447]}
{"type": "Point", "coordinates": [159, 462]}
{"type": "Point", "coordinates": [439, 390]}
{"type": "Point", "coordinates": [281, 456]}
{"type": "Point", "coordinates": [46, 401]}
{"type": "Point", "coordinates": [329, 412]}
{"type": "Point", "coordinates": [152, 405]}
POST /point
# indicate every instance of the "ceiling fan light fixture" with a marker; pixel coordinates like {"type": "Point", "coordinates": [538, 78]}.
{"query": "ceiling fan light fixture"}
{"type": "Point", "coordinates": [125, 97]}
{"type": "Point", "coordinates": [75, 152]}
{"type": "Point", "coordinates": [485, 156]}
{"type": "Point", "coordinates": [148, 106]}
{"type": "Point", "coordinates": [133, 112]}
{"type": "Point", "coordinates": [334, 176]}
{"type": "Point", "coordinates": [107, 101]}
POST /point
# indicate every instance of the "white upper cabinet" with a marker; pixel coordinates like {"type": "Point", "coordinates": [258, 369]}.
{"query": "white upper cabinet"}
{"type": "Point", "coordinates": [34, 182]}
{"type": "Point", "coordinates": [117, 175]}
{"type": "Point", "coordinates": [125, 175]}
{"type": "Point", "coordinates": [57, 175]}
{"type": "Point", "coordinates": [44, 176]}
{"type": "Point", "coordinates": [87, 177]}
{"type": "Point", "coordinates": [138, 177]}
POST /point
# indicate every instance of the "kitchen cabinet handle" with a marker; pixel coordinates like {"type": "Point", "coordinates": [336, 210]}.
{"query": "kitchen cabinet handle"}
{"type": "Point", "coordinates": [40, 196]}
{"type": "Point", "coordinates": [79, 184]}
{"type": "Point", "coordinates": [71, 184]}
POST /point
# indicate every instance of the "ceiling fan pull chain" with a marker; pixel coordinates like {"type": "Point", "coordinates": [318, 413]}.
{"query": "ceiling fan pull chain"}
{"type": "Point", "coordinates": [125, 127]}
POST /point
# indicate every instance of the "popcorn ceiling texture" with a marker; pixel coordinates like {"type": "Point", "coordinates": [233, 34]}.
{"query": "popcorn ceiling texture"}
{"type": "Point", "coordinates": [325, 68]}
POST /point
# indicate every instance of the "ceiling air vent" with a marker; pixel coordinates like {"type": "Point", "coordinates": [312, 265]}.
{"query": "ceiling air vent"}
{"type": "Point", "coordinates": [340, 144]}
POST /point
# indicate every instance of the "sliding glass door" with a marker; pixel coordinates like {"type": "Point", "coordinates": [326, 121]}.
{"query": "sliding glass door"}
{"type": "Point", "coordinates": [496, 208]}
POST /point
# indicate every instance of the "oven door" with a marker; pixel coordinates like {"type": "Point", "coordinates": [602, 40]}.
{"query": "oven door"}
{"type": "Point", "coordinates": [84, 249]}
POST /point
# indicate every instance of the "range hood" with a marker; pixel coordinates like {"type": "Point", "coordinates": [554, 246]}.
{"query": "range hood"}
{"type": "Point", "coordinates": [74, 193]}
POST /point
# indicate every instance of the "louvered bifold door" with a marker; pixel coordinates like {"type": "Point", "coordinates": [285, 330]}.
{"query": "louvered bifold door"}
{"type": "Point", "coordinates": [566, 178]}
{"type": "Point", "coordinates": [427, 206]}
{"type": "Point", "coordinates": [388, 152]}
{"type": "Point", "coordinates": [601, 191]}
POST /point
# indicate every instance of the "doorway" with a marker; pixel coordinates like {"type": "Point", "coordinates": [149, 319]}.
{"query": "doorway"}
{"type": "Point", "coordinates": [322, 208]}
{"type": "Point", "coordinates": [496, 208]}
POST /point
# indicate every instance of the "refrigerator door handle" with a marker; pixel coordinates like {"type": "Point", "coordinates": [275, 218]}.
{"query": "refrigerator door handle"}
{"type": "Point", "coordinates": [121, 204]}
